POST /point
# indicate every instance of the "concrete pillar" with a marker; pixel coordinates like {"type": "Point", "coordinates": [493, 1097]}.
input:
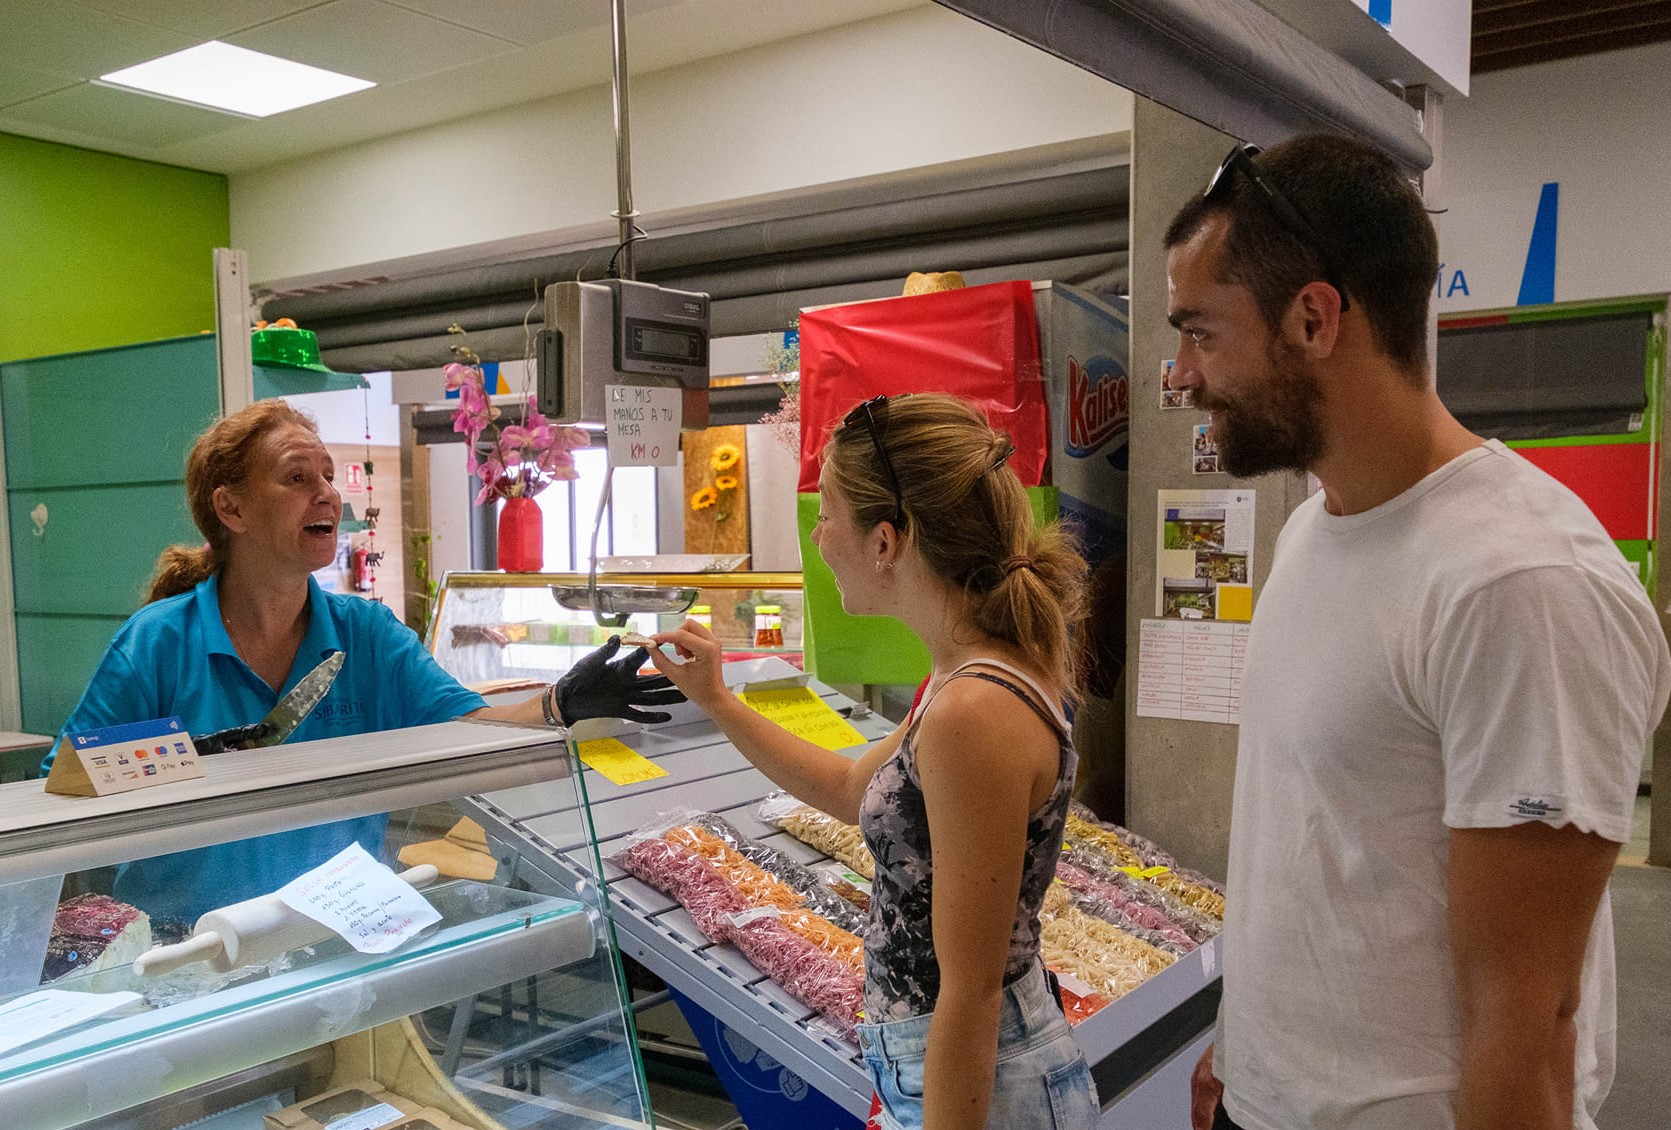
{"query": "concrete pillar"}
{"type": "Point", "coordinates": [1179, 774]}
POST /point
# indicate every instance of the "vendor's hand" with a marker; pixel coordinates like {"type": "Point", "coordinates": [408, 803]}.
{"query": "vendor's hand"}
{"type": "Point", "coordinates": [699, 675]}
{"type": "Point", "coordinates": [606, 685]}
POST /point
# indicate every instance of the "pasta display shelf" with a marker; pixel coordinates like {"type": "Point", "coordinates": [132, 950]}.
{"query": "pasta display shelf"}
{"type": "Point", "coordinates": [1140, 1044]}
{"type": "Point", "coordinates": [520, 972]}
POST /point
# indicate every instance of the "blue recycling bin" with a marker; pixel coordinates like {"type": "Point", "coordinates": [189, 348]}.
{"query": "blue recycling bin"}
{"type": "Point", "coordinates": [766, 1094]}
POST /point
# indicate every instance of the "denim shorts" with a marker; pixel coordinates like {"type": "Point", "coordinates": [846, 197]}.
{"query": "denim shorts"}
{"type": "Point", "coordinates": [1042, 1080]}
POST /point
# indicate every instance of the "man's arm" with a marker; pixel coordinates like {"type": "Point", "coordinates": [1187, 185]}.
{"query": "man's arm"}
{"type": "Point", "coordinates": [1521, 901]}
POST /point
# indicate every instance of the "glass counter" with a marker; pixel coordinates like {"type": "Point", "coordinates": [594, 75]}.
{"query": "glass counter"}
{"type": "Point", "coordinates": [500, 628]}
{"type": "Point", "coordinates": [510, 1010]}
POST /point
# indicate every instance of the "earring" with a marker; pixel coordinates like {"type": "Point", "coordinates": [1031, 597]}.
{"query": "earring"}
{"type": "Point", "coordinates": [888, 565]}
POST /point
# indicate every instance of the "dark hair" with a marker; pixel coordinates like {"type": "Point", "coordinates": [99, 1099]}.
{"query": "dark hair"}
{"type": "Point", "coordinates": [1367, 214]}
{"type": "Point", "coordinates": [222, 456]}
{"type": "Point", "coordinates": [968, 517]}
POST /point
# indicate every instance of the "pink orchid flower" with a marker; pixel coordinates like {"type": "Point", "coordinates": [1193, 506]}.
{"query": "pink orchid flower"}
{"type": "Point", "coordinates": [458, 376]}
{"type": "Point", "coordinates": [513, 440]}
{"type": "Point", "coordinates": [490, 472]}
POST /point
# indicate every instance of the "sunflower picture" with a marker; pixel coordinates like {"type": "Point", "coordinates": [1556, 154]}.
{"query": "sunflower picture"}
{"type": "Point", "coordinates": [726, 456]}
{"type": "Point", "coordinates": [717, 490]}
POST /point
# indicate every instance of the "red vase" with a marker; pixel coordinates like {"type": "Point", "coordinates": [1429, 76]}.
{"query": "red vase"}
{"type": "Point", "coordinates": [521, 536]}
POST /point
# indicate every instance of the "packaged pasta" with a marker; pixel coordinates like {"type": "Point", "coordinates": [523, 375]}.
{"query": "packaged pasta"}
{"type": "Point", "coordinates": [811, 885]}
{"type": "Point", "coordinates": [835, 838]}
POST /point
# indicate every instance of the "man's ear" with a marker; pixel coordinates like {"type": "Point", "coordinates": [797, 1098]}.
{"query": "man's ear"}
{"type": "Point", "coordinates": [1314, 317]}
{"type": "Point", "coordinates": [229, 509]}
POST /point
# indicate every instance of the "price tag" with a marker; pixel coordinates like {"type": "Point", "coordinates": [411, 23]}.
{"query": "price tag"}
{"type": "Point", "coordinates": [800, 711]}
{"type": "Point", "coordinates": [359, 898]}
{"type": "Point", "coordinates": [119, 759]}
{"type": "Point", "coordinates": [643, 425]}
{"type": "Point", "coordinates": [618, 761]}
{"type": "Point", "coordinates": [1145, 872]}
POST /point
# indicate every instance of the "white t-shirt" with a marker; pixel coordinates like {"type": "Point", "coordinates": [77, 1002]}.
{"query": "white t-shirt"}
{"type": "Point", "coordinates": [1474, 653]}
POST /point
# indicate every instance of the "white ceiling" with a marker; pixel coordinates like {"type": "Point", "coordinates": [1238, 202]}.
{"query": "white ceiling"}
{"type": "Point", "coordinates": [433, 60]}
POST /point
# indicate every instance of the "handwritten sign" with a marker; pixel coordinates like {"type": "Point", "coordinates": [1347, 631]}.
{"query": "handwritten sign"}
{"type": "Point", "coordinates": [618, 761]}
{"type": "Point", "coordinates": [643, 425]}
{"type": "Point", "coordinates": [32, 1017]}
{"type": "Point", "coordinates": [800, 711]}
{"type": "Point", "coordinates": [118, 759]}
{"type": "Point", "coordinates": [360, 899]}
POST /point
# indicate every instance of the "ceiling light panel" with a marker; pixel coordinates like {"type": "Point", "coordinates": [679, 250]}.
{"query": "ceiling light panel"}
{"type": "Point", "coordinates": [235, 79]}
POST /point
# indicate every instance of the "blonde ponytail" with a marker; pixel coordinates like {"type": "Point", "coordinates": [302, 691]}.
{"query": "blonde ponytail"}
{"type": "Point", "coordinates": [968, 517]}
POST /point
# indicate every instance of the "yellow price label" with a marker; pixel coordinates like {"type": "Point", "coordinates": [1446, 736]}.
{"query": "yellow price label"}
{"type": "Point", "coordinates": [1145, 872]}
{"type": "Point", "coordinates": [619, 762]}
{"type": "Point", "coordinates": [800, 711]}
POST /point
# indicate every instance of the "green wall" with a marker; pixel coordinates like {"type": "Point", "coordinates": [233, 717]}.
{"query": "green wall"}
{"type": "Point", "coordinates": [98, 250]}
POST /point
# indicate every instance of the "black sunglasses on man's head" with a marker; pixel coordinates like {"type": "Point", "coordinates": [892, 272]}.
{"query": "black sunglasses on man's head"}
{"type": "Point", "coordinates": [1241, 158]}
{"type": "Point", "coordinates": [866, 414]}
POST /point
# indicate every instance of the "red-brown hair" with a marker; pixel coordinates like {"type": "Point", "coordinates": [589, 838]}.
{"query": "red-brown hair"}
{"type": "Point", "coordinates": [223, 456]}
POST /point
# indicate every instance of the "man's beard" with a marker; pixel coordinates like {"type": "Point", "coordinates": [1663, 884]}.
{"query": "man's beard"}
{"type": "Point", "coordinates": [1275, 425]}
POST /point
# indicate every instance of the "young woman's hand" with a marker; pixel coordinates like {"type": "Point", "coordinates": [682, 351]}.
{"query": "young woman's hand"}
{"type": "Point", "coordinates": [699, 675]}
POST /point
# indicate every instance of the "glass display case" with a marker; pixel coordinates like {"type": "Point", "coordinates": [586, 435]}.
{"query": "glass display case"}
{"type": "Point", "coordinates": [509, 1010]}
{"type": "Point", "coordinates": [499, 629]}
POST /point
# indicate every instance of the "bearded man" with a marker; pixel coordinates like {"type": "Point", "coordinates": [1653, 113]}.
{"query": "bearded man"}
{"type": "Point", "coordinates": [1451, 679]}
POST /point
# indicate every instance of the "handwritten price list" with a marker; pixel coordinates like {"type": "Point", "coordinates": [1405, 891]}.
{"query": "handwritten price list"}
{"type": "Point", "coordinates": [360, 899]}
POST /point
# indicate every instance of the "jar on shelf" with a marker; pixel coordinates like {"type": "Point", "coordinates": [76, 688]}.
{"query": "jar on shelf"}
{"type": "Point", "coordinates": [768, 625]}
{"type": "Point", "coordinates": [703, 615]}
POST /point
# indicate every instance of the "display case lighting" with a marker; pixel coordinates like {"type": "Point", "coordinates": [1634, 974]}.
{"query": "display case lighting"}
{"type": "Point", "coordinates": [234, 80]}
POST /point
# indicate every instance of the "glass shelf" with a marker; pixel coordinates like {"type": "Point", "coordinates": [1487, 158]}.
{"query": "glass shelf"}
{"type": "Point", "coordinates": [197, 1025]}
{"type": "Point", "coordinates": [499, 626]}
{"type": "Point", "coordinates": [521, 973]}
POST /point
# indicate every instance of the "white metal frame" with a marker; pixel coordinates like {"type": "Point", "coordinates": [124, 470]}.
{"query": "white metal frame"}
{"type": "Point", "coordinates": [232, 322]}
{"type": "Point", "coordinates": [11, 691]}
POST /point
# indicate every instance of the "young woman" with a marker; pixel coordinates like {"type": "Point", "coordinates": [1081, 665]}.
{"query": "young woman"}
{"type": "Point", "coordinates": [963, 806]}
{"type": "Point", "coordinates": [232, 624]}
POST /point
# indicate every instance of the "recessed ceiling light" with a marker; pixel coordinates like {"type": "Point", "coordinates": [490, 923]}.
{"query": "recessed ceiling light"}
{"type": "Point", "coordinates": [235, 79]}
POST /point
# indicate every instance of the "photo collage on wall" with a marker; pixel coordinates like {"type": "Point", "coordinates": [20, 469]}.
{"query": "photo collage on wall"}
{"type": "Point", "coordinates": [1204, 563]}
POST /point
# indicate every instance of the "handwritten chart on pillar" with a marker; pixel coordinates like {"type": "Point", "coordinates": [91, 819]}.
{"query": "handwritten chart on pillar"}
{"type": "Point", "coordinates": [370, 906]}
{"type": "Point", "coordinates": [643, 425]}
{"type": "Point", "coordinates": [1191, 669]}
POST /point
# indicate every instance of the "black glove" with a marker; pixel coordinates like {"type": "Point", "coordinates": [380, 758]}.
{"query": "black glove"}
{"type": "Point", "coordinates": [603, 687]}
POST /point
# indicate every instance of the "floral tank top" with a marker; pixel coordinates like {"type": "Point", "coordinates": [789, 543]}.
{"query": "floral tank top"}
{"type": "Point", "coordinates": [902, 974]}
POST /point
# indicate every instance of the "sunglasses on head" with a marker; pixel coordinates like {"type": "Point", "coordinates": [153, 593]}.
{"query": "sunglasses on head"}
{"type": "Point", "coordinates": [1240, 158]}
{"type": "Point", "coordinates": [866, 414]}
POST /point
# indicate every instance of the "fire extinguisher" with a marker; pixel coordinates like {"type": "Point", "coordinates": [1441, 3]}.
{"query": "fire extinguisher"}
{"type": "Point", "coordinates": [359, 569]}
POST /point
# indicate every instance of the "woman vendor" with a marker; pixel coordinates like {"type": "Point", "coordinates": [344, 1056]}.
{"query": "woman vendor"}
{"type": "Point", "coordinates": [231, 626]}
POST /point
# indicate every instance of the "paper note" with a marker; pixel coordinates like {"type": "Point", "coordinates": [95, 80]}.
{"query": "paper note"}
{"type": "Point", "coordinates": [359, 898]}
{"type": "Point", "coordinates": [1191, 669]}
{"type": "Point", "coordinates": [800, 711]}
{"type": "Point", "coordinates": [642, 425]}
{"type": "Point", "coordinates": [618, 761]}
{"type": "Point", "coordinates": [30, 1018]}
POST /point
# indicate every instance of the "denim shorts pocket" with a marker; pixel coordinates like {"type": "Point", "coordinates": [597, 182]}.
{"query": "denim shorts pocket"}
{"type": "Point", "coordinates": [1073, 1096]}
{"type": "Point", "coordinates": [908, 1072]}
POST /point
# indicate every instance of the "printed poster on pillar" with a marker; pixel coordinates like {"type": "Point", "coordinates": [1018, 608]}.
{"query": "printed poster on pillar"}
{"type": "Point", "coordinates": [1204, 555]}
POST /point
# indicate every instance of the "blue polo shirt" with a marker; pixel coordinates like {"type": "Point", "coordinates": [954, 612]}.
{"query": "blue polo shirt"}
{"type": "Point", "coordinates": [173, 657]}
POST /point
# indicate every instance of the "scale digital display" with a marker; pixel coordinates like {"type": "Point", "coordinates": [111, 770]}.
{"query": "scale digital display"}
{"type": "Point", "coordinates": [659, 341]}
